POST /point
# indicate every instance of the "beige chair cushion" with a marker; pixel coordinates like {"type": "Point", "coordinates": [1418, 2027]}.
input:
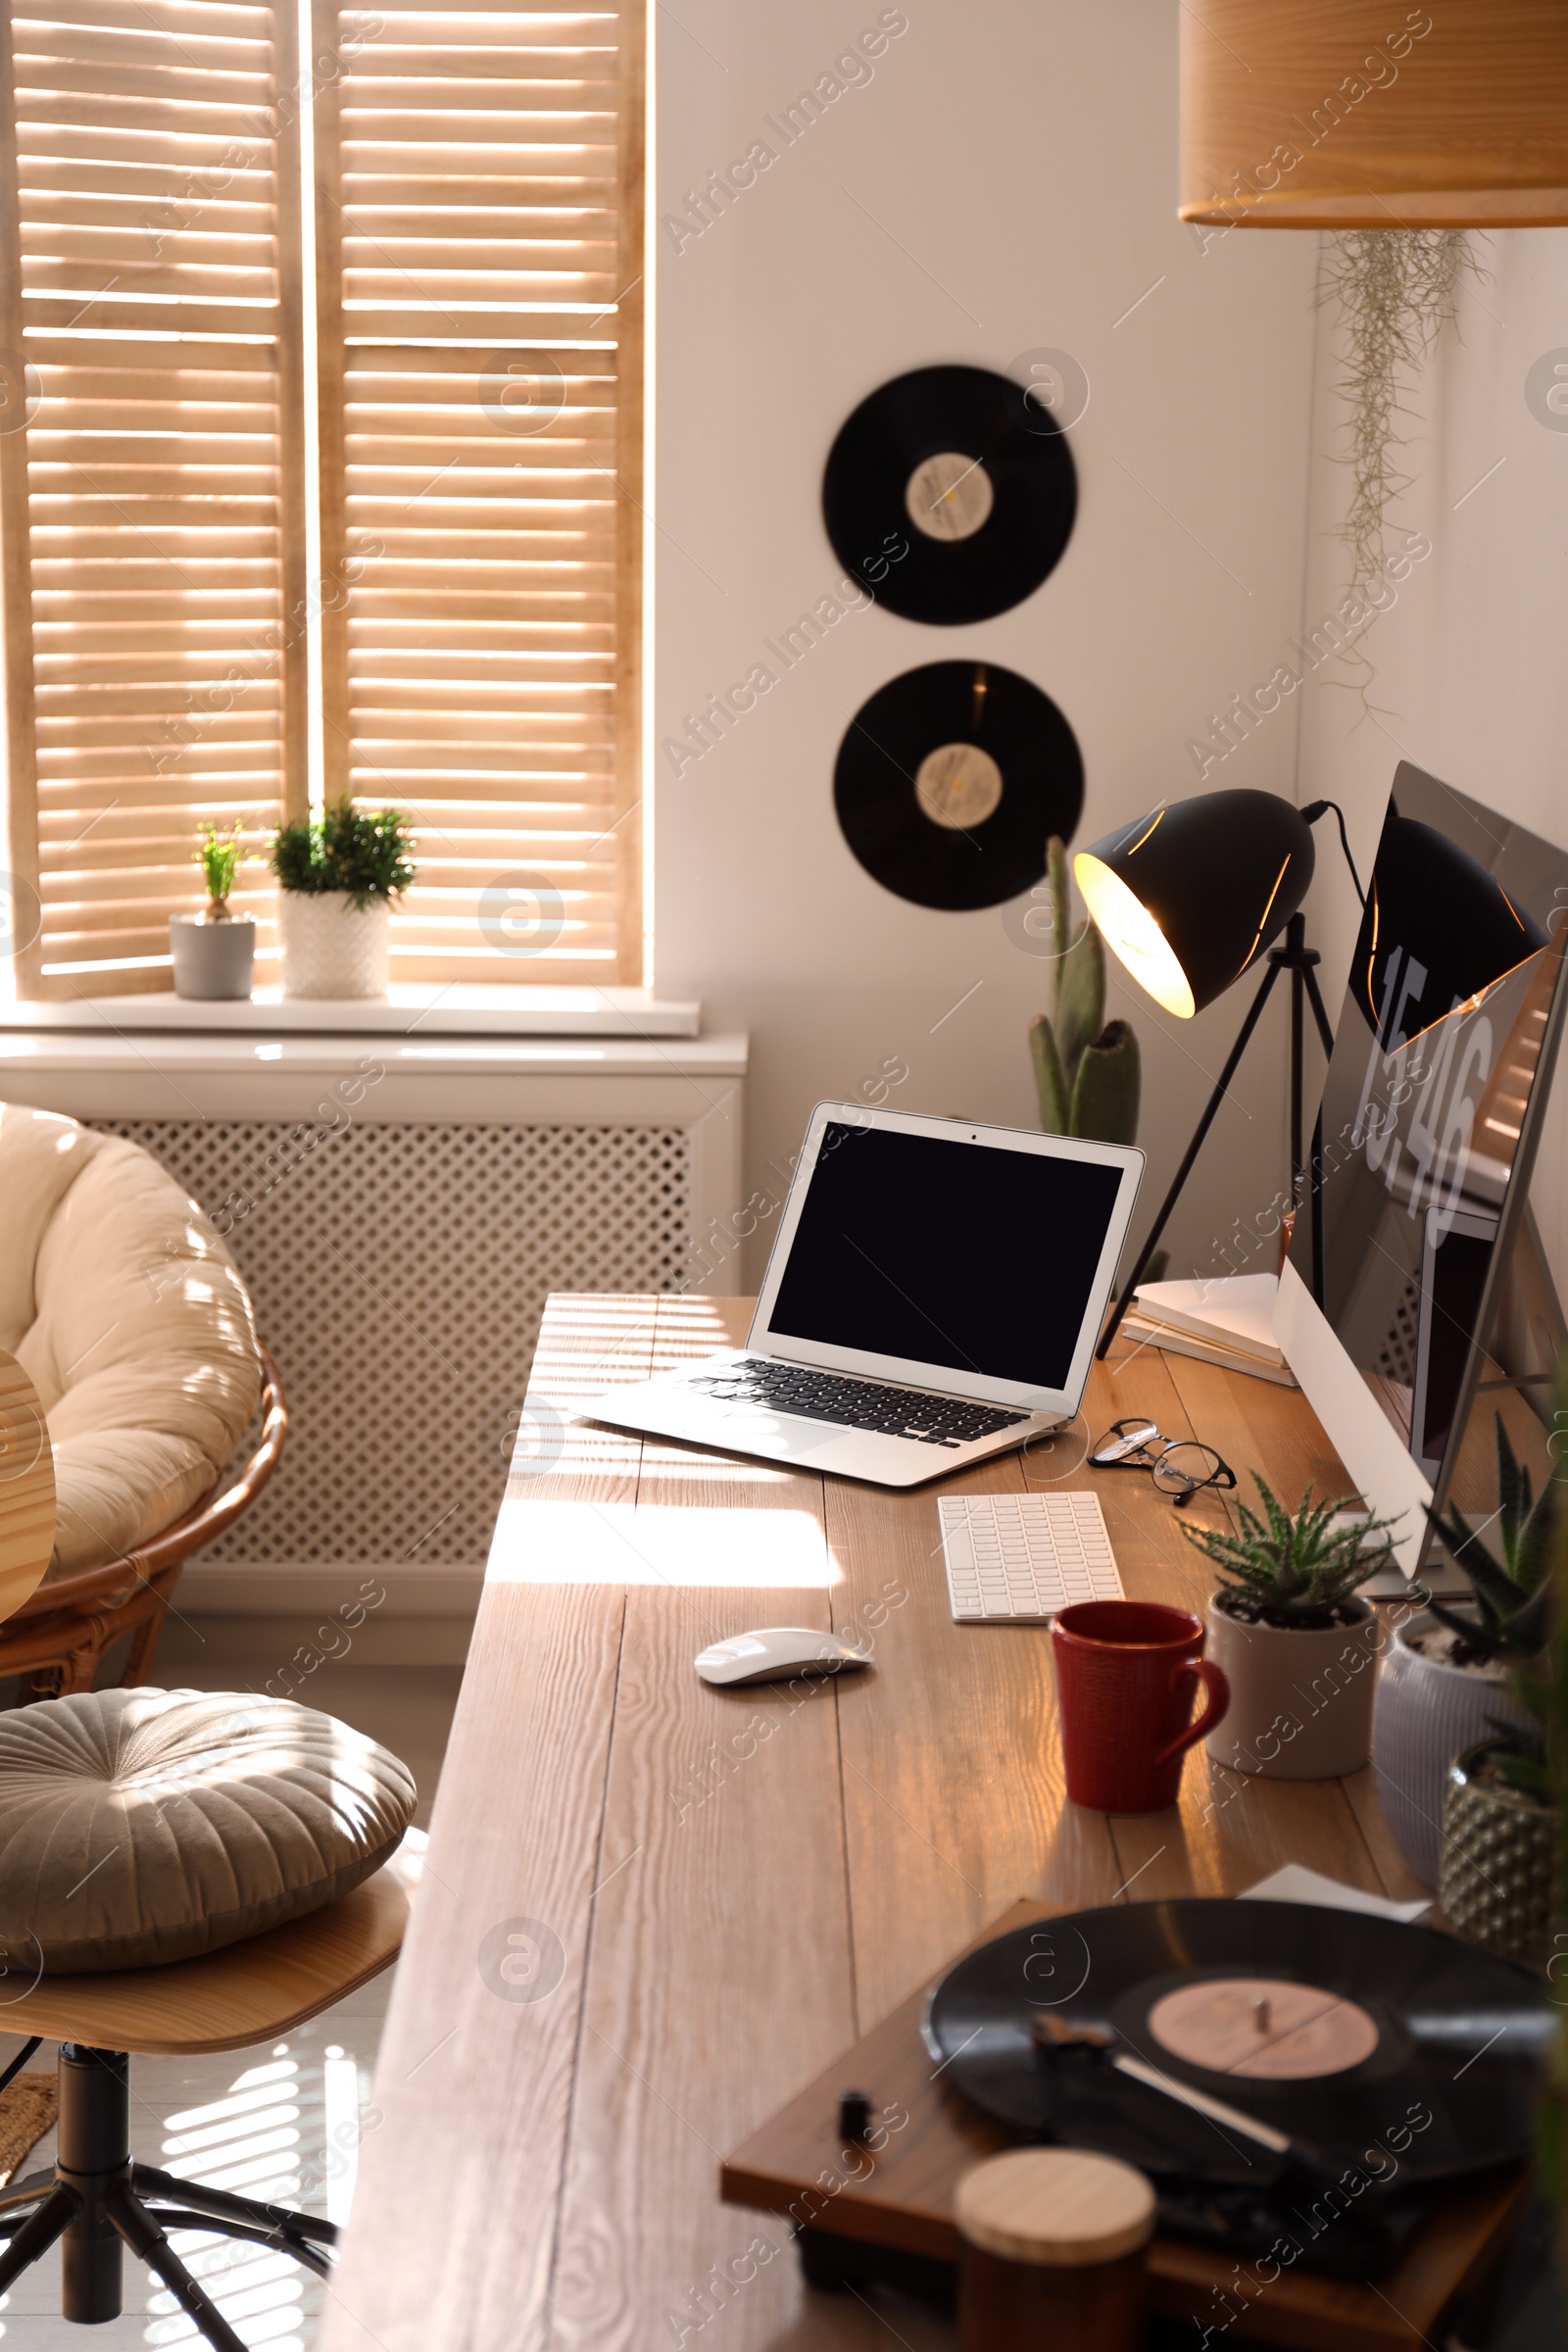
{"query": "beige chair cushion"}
{"type": "Point", "coordinates": [128, 1315]}
{"type": "Point", "coordinates": [140, 1826]}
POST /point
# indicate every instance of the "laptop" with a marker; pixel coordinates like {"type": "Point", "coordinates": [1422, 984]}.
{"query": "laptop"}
{"type": "Point", "coordinates": [935, 1292]}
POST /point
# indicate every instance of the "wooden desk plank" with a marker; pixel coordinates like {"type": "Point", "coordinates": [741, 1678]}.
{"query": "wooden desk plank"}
{"type": "Point", "coordinates": [456, 2200]}
{"type": "Point", "coordinates": [1230, 1828]}
{"type": "Point", "coordinates": [722, 1855]}
{"type": "Point", "coordinates": [953, 1789]}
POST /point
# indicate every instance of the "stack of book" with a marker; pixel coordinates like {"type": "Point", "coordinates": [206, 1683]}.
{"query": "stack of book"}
{"type": "Point", "coordinates": [1222, 1319]}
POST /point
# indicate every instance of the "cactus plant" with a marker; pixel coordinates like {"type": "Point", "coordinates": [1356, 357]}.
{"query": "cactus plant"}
{"type": "Point", "coordinates": [1086, 1067]}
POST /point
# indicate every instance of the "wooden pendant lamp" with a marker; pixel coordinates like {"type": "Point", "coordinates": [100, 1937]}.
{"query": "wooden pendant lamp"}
{"type": "Point", "coordinates": [1370, 114]}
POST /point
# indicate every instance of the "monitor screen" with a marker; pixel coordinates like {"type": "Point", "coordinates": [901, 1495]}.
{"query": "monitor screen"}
{"type": "Point", "coordinates": [1430, 1111]}
{"type": "Point", "coordinates": [943, 1252]}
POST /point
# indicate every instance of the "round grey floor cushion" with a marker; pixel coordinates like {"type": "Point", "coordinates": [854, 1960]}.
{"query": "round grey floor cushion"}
{"type": "Point", "coordinates": [141, 1826]}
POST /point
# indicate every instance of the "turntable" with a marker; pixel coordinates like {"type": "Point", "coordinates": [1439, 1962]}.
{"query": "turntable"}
{"type": "Point", "coordinates": [1300, 2085]}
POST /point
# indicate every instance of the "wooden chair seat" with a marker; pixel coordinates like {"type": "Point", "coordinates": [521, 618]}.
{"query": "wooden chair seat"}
{"type": "Point", "coordinates": [248, 1992]}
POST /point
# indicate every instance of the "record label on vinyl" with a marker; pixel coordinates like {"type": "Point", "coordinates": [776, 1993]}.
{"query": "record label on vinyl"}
{"type": "Point", "coordinates": [988, 484]}
{"type": "Point", "coordinates": [950, 497]}
{"type": "Point", "coordinates": [952, 779]}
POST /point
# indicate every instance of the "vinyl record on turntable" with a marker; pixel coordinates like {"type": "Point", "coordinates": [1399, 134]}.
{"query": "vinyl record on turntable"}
{"type": "Point", "coordinates": [1390, 2048]}
{"type": "Point", "coordinates": [954, 464]}
{"type": "Point", "coordinates": [950, 780]}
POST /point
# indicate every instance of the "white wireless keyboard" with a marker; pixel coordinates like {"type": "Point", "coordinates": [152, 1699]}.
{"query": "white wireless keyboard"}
{"type": "Point", "coordinates": [1016, 1559]}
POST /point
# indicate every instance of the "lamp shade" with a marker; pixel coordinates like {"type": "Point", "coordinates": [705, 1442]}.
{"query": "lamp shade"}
{"type": "Point", "coordinates": [1195, 890]}
{"type": "Point", "coordinates": [1437, 932]}
{"type": "Point", "coordinates": [1336, 113]}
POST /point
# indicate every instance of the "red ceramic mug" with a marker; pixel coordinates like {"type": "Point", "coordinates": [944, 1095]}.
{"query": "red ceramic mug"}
{"type": "Point", "coordinates": [1126, 1674]}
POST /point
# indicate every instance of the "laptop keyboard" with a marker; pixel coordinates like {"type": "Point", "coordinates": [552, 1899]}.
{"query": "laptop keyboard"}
{"type": "Point", "coordinates": [856, 1404]}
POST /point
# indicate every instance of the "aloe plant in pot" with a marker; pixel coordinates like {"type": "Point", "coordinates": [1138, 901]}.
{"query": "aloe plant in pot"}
{"type": "Point", "coordinates": [337, 876]}
{"type": "Point", "coordinates": [1446, 1681]}
{"type": "Point", "coordinates": [1497, 1872]}
{"type": "Point", "coordinates": [1289, 1631]}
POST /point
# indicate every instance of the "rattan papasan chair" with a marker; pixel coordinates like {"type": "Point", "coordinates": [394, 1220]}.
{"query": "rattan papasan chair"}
{"type": "Point", "coordinates": [129, 1316]}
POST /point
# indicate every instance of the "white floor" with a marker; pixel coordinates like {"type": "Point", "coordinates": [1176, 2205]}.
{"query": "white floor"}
{"type": "Point", "coordinates": [282, 2122]}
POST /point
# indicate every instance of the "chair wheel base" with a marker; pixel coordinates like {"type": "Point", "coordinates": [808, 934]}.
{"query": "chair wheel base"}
{"type": "Point", "coordinates": [98, 2200]}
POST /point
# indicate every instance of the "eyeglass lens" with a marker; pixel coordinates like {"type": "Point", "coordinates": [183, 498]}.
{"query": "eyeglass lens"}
{"type": "Point", "coordinates": [1184, 1467]}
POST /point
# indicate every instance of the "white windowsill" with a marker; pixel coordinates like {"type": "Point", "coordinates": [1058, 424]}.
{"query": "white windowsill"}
{"type": "Point", "coordinates": [458, 1010]}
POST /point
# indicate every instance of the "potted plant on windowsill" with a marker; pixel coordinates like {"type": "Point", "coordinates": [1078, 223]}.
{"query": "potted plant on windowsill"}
{"type": "Point", "coordinates": [1297, 1642]}
{"type": "Point", "coordinates": [1446, 1681]}
{"type": "Point", "coordinates": [338, 874]}
{"type": "Point", "coordinates": [214, 952]}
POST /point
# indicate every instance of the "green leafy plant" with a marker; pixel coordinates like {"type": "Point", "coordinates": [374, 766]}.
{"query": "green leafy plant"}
{"type": "Point", "coordinates": [363, 851]}
{"type": "Point", "coordinates": [1087, 1070]}
{"type": "Point", "coordinates": [1512, 1595]}
{"type": "Point", "coordinates": [1396, 289]}
{"type": "Point", "coordinates": [218, 854]}
{"type": "Point", "coordinates": [1293, 1569]}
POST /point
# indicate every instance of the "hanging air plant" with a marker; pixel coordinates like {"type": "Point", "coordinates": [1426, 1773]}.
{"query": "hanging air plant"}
{"type": "Point", "coordinates": [1395, 287]}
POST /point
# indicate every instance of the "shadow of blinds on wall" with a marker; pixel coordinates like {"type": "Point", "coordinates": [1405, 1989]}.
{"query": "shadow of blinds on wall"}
{"type": "Point", "coordinates": [151, 537]}
{"type": "Point", "coordinates": [479, 340]}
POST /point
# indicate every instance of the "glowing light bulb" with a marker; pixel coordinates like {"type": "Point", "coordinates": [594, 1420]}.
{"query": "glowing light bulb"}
{"type": "Point", "coordinates": [1133, 936]}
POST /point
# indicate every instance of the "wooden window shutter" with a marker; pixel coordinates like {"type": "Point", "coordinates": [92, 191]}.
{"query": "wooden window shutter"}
{"type": "Point", "coordinates": [478, 236]}
{"type": "Point", "coordinates": [151, 464]}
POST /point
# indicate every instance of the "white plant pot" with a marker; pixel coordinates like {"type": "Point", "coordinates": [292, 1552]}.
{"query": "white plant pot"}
{"type": "Point", "coordinates": [1300, 1700]}
{"type": "Point", "coordinates": [332, 947]}
{"type": "Point", "coordinates": [211, 962]}
{"type": "Point", "coordinates": [1426, 1713]}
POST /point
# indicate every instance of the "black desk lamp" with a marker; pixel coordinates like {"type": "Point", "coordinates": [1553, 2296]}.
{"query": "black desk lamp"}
{"type": "Point", "coordinates": [1188, 898]}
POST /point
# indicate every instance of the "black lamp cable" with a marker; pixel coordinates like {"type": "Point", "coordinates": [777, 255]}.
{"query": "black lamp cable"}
{"type": "Point", "coordinates": [1316, 808]}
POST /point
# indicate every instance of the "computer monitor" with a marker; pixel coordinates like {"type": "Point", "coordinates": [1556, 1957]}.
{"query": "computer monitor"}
{"type": "Point", "coordinates": [1416, 1302]}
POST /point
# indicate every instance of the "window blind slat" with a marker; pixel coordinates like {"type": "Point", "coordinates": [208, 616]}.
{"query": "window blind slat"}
{"type": "Point", "coordinates": [476, 320]}
{"type": "Point", "coordinates": [152, 508]}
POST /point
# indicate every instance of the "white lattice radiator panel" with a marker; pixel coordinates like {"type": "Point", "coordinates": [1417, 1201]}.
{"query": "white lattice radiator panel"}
{"type": "Point", "coordinates": [398, 1269]}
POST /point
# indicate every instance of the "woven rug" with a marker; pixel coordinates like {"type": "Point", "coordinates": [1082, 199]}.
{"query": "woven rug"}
{"type": "Point", "coordinates": [27, 2111]}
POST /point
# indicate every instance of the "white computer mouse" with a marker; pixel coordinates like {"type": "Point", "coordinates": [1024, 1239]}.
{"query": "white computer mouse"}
{"type": "Point", "coordinates": [773, 1651]}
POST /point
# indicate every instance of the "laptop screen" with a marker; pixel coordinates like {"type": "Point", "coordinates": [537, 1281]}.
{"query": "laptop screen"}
{"type": "Point", "coordinates": [946, 1252]}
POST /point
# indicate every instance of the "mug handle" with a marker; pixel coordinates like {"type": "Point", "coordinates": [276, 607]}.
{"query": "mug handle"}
{"type": "Point", "coordinates": [1216, 1682]}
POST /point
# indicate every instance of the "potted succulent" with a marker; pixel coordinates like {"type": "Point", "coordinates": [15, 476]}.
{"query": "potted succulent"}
{"type": "Point", "coordinates": [1497, 1873]}
{"type": "Point", "coordinates": [337, 876]}
{"type": "Point", "coordinates": [1297, 1642]}
{"type": "Point", "coordinates": [214, 952]}
{"type": "Point", "coordinates": [1445, 1684]}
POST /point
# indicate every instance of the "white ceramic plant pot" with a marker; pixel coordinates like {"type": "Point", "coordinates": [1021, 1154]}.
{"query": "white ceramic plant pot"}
{"type": "Point", "coordinates": [211, 960]}
{"type": "Point", "coordinates": [1427, 1712]}
{"type": "Point", "coordinates": [1300, 1700]}
{"type": "Point", "coordinates": [332, 947]}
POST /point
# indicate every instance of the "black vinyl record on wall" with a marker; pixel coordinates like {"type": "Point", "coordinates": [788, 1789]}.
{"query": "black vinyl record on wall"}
{"type": "Point", "coordinates": [980, 487]}
{"type": "Point", "coordinates": [950, 780]}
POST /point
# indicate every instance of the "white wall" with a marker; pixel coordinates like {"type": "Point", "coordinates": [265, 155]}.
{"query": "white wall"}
{"type": "Point", "coordinates": [1005, 180]}
{"type": "Point", "coordinates": [1470, 676]}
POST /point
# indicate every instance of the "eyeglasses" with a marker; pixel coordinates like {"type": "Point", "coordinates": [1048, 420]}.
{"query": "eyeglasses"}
{"type": "Point", "coordinates": [1179, 1466]}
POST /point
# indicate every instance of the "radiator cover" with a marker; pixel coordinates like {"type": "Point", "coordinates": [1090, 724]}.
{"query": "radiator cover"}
{"type": "Point", "coordinates": [398, 1270]}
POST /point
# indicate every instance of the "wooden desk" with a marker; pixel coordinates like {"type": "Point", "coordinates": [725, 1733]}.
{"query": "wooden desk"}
{"type": "Point", "coordinates": [733, 1885]}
